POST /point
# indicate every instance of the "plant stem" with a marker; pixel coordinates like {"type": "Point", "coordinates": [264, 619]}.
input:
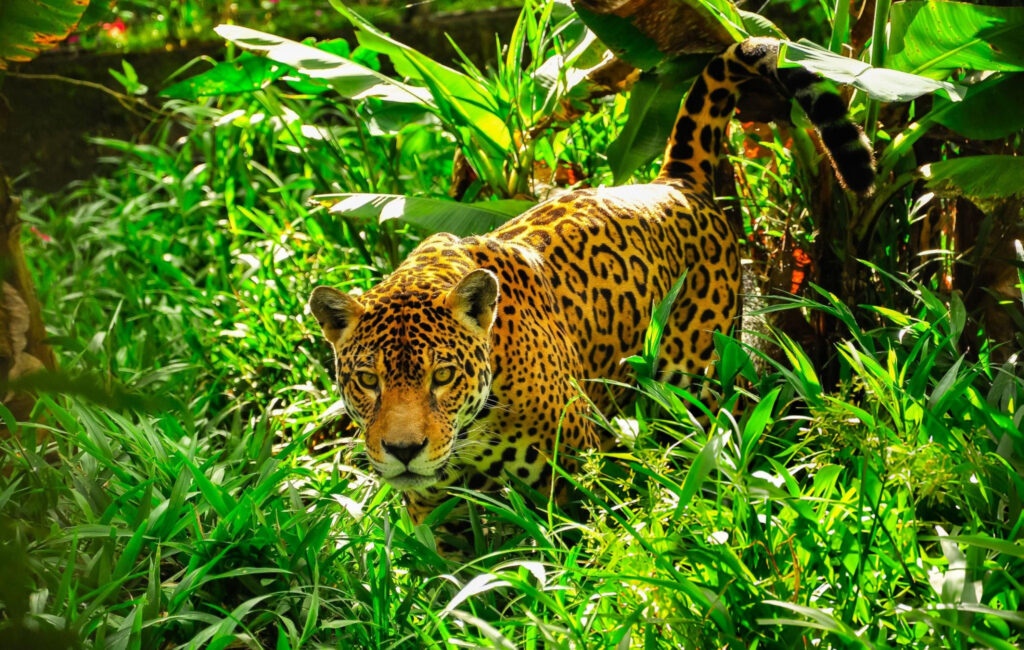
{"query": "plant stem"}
{"type": "Point", "coordinates": [840, 26]}
{"type": "Point", "coordinates": [878, 47]}
{"type": "Point", "coordinates": [127, 101]}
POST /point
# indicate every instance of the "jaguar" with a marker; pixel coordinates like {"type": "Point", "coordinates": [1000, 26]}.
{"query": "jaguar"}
{"type": "Point", "coordinates": [469, 364]}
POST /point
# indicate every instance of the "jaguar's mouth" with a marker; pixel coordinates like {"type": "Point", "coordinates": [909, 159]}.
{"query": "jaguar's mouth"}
{"type": "Point", "coordinates": [411, 480]}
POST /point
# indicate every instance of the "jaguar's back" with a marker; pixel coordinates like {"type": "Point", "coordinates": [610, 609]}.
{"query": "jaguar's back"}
{"type": "Point", "coordinates": [464, 363]}
{"type": "Point", "coordinates": [612, 253]}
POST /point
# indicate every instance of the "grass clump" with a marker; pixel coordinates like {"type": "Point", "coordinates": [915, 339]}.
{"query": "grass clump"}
{"type": "Point", "coordinates": [884, 513]}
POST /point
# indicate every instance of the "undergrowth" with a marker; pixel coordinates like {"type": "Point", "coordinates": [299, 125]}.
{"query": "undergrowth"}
{"type": "Point", "coordinates": [168, 491]}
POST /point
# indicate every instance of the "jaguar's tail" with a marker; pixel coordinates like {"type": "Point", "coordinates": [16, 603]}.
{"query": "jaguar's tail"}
{"type": "Point", "coordinates": [692, 152]}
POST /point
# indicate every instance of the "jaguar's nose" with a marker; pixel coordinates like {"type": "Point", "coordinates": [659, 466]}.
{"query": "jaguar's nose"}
{"type": "Point", "coordinates": [405, 452]}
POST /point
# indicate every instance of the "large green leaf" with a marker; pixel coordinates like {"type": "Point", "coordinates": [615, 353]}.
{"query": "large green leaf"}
{"type": "Point", "coordinates": [27, 27]}
{"type": "Point", "coordinates": [991, 109]}
{"type": "Point", "coordinates": [882, 84]}
{"type": "Point", "coordinates": [758, 25]}
{"type": "Point", "coordinates": [245, 74]}
{"type": "Point", "coordinates": [652, 111]}
{"type": "Point", "coordinates": [623, 38]}
{"type": "Point", "coordinates": [682, 27]}
{"type": "Point", "coordinates": [653, 105]}
{"type": "Point", "coordinates": [933, 38]}
{"type": "Point", "coordinates": [433, 215]}
{"type": "Point", "coordinates": [982, 177]}
{"type": "Point", "coordinates": [250, 72]}
{"type": "Point", "coordinates": [410, 62]}
{"type": "Point", "coordinates": [460, 99]}
{"type": "Point", "coordinates": [348, 78]}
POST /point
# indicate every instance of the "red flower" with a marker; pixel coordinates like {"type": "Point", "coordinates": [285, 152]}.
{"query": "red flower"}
{"type": "Point", "coordinates": [116, 28]}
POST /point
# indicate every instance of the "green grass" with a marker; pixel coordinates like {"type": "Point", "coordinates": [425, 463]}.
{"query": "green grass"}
{"type": "Point", "coordinates": [881, 515]}
{"type": "Point", "coordinates": [165, 493]}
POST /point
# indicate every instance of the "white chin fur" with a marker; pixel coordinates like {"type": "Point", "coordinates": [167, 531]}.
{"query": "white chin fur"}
{"type": "Point", "coordinates": [410, 481]}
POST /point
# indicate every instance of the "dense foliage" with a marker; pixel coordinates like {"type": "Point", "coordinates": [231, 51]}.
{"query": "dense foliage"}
{"type": "Point", "coordinates": [138, 25]}
{"type": "Point", "coordinates": [185, 481]}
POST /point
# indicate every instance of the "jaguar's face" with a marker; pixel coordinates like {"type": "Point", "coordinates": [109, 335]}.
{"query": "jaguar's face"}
{"type": "Point", "coordinates": [413, 367]}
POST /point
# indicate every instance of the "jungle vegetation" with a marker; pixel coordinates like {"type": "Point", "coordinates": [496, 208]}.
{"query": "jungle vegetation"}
{"type": "Point", "coordinates": [174, 471]}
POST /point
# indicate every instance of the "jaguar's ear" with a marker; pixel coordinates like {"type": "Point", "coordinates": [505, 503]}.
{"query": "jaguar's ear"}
{"type": "Point", "coordinates": [474, 298]}
{"type": "Point", "coordinates": [336, 312]}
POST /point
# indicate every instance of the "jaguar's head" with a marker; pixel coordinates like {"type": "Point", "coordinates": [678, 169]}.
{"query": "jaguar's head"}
{"type": "Point", "coordinates": [413, 367]}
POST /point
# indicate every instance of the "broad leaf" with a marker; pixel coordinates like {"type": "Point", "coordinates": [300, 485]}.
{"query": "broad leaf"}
{"type": "Point", "coordinates": [410, 62]}
{"type": "Point", "coordinates": [1013, 549]}
{"type": "Point", "coordinates": [28, 27]}
{"type": "Point", "coordinates": [433, 215]}
{"type": "Point", "coordinates": [756, 424]}
{"type": "Point", "coordinates": [250, 72]}
{"type": "Point", "coordinates": [934, 38]}
{"type": "Point", "coordinates": [705, 461]}
{"type": "Point", "coordinates": [882, 84]}
{"type": "Point", "coordinates": [245, 74]}
{"type": "Point", "coordinates": [656, 329]}
{"type": "Point", "coordinates": [683, 27]}
{"type": "Point", "coordinates": [981, 177]}
{"type": "Point", "coordinates": [459, 99]}
{"type": "Point", "coordinates": [622, 38]}
{"type": "Point", "coordinates": [349, 79]}
{"type": "Point", "coordinates": [758, 25]}
{"type": "Point", "coordinates": [653, 105]}
{"type": "Point", "coordinates": [991, 109]}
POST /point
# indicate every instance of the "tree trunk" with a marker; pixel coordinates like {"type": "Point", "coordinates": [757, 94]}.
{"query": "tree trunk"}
{"type": "Point", "coordinates": [23, 347]}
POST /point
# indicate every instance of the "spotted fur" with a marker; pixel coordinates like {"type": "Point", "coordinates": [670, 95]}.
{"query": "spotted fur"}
{"type": "Point", "coordinates": [463, 366]}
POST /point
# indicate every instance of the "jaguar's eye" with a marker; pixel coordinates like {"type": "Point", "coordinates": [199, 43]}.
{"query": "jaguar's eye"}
{"type": "Point", "coordinates": [443, 375]}
{"type": "Point", "coordinates": [367, 380]}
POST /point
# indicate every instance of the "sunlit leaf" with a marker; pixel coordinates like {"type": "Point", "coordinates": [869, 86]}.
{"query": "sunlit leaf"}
{"type": "Point", "coordinates": [560, 74]}
{"type": "Point", "coordinates": [705, 461]}
{"type": "Point", "coordinates": [433, 215]}
{"type": "Point", "coordinates": [815, 618]}
{"type": "Point", "coordinates": [245, 74]}
{"type": "Point", "coordinates": [656, 329]}
{"type": "Point", "coordinates": [476, 585]}
{"type": "Point", "coordinates": [882, 84]}
{"type": "Point", "coordinates": [348, 78]}
{"type": "Point", "coordinates": [1013, 549]}
{"type": "Point", "coordinates": [757, 422]}
{"type": "Point", "coordinates": [458, 97]}
{"type": "Point", "coordinates": [934, 38]}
